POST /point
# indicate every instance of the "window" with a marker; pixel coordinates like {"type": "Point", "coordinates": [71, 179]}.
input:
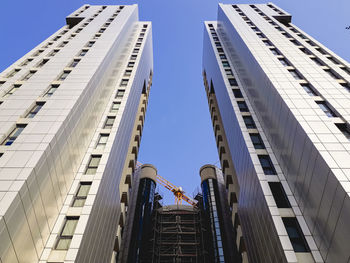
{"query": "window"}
{"type": "Point", "coordinates": [78, 30]}
{"type": "Point", "coordinates": [115, 107]}
{"type": "Point", "coordinates": [295, 234]}
{"type": "Point", "coordinates": [295, 74]}
{"type": "Point", "coordinates": [133, 57]}
{"type": "Point", "coordinates": [308, 89]}
{"type": "Point", "coordinates": [233, 82]}
{"type": "Point", "coordinates": [323, 105]}
{"type": "Point", "coordinates": [120, 93]}
{"type": "Point", "coordinates": [51, 90]}
{"type": "Point", "coordinates": [37, 53]}
{"type": "Point", "coordinates": [12, 90]}
{"type": "Point", "coordinates": [260, 35]}
{"type": "Point", "coordinates": [53, 52]}
{"type": "Point", "coordinates": [305, 51]}
{"type": "Point", "coordinates": [267, 43]}
{"type": "Point", "coordinates": [90, 43]}
{"type": "Point", "coordinates": [222, 56]}
{"type": "Point", "coordinates": [225, 64]}
{"type": "Point", "coordinates": [136, 50]}
{"type": "Point", "coordinates": [138, 45]}
{"type": "Point", "coordinates": [255, 29]}
{"type": "Point", "coordinates": [81, 195]}
{"type": "Point", "coordinates": [347, 70]}
{"type": "Point", "coordinates": [131, 64]}
{"type": "Point", "coordinates": [26, 62]}
{"type": "Point", "coordinates": [13, 72]}
{"type": "Point", "coordinates": [317, 61]}
{"type": "Point", "coordinates": [102, 141]}
{"type": "Point", "coordinates": [321, 51]}
{"type": "Point", "coordinates": [332, 73]}
{"type": "Point", "coordinates": [109, 122]}
{"type": "Point", "coordinates": [71, 36]}
{"type": "Point", "coordinates": [127, 73]}
{"type": "Point", "coordinates": [218, 44]}
{"type": "Point", "coordinates": [237, 93]}
{"type": "Point", "coordinates": [279, 195]}
{"type": "Point", "coordinates": [74, 63]}
{"type": "Point", "coordinates": [2, 82]}
{"type": "Point", "coordinates": [228, 72]}
{"type": "Point", "coordinates": [83, 52]}
{"type": "Point", "coordinates": [93, 164]}
{"type": "Point", "coordinates": [242, 106]}
{"type": "Point", "coordinates": [64, 75]}
{"type": "Point", "coordinates": [311, 43]}
{"type": "Point", "coordinates": [249, 122]}
{"type": "Point", "coordinates": [346, 85]}
{"type": "Point", "coordinates": [35, 109]}
{"type": "Point", "coordinates": [295, 42]}
{"type": "Point", "coordinates": [124, 82]}
{"type": "Point", "coordinates": [29, 75]}
{"type": "Point", "coordinates": [56, 38]}
{"type": "Point", "coordinates": [220, 50]}
{"type": "Point", "coordinates": [266, 164]}
{"type": "Point", "coordinates": [14, 134]}
{"type": "Point", "coordinates": [284, 62]}
{"type": "Point", "coordinates": [63, 43]}
{"type": "Point", "coordinates": [41, 63]}
{"type": "Point", "coordinates": [96, 36]}
{"type": "Point", "coordinates": [275, 51]}
{"type": "Point", "coordinates": [67, 233]}
{"type": "Point", "coordinates": [257, 141]}
{"type": "Point", "coordinates": [140, 39]}
{"type": "Point", "coordinates": [344, 129]}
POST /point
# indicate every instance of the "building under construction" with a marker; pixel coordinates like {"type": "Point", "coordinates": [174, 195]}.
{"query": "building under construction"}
{"type": "Point", "coordinates": [198, 232]}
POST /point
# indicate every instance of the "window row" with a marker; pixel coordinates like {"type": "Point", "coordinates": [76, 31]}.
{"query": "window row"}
{"type": "Point", "coordinates": [319, 62]}
{"type": "Point", "coordinates": [243, 107]}
{"type": "Point", "coordinates": [82, 10]}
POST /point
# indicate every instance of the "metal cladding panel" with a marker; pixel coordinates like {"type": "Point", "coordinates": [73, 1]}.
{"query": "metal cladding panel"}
{"type": "Point", "coordinates": [260, 235]}
{"type": "Point", "coordinates": [98, 240]}
{"type": "Point", "coordinates": [312, 174]}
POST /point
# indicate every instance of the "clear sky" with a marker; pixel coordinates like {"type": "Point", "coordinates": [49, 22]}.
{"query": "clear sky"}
{"type": "Point", "coordinates": [178, 137]}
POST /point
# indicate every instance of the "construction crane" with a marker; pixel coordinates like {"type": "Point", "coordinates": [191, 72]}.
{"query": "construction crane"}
{"type": "Point", "coordinates": [177, 191]}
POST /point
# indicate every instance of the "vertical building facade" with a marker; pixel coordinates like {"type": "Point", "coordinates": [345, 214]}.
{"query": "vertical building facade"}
{"type": "Point", "coordinates": [280, 102]}
{"type": "Point", "coordinates": [71, 117]}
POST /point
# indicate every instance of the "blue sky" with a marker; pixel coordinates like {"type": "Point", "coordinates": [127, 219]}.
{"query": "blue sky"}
{"type": "Point", "coordinates": [178, 137]}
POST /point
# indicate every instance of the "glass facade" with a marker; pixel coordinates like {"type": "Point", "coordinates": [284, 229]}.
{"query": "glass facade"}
{"type": "Point", "coordinates": [212, 212]}
{"type": "Point", "coordinates": [142, 224]}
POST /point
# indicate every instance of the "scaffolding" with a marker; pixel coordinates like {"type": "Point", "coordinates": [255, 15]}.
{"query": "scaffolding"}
{"type": "Point", "coordinates": [177, 236]}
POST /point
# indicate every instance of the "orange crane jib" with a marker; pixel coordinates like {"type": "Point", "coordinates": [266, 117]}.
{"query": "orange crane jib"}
{"type": "Point", "coordinates": [177, 191]}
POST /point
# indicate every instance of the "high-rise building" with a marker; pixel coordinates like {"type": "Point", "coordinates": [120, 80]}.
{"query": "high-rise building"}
{"type": "Point", "coordinates": [71, 117]}
{"type": "Point", "coordinates": [280, 103]}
